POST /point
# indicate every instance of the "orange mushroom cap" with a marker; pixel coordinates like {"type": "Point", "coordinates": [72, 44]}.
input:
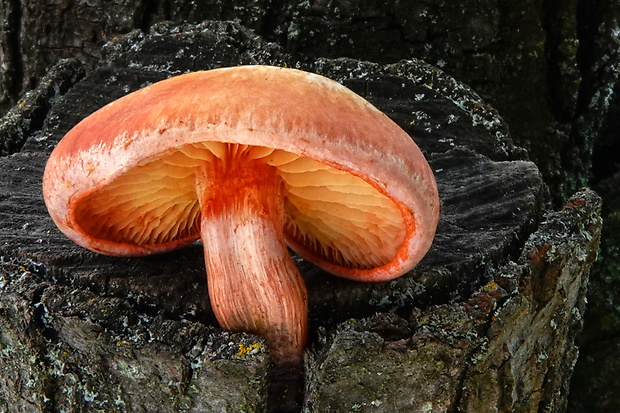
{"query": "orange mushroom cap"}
{"type": "Point", "coordinates": [359, 198]}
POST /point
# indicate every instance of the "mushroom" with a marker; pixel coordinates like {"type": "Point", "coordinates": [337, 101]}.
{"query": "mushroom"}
{"type": "Point", "coordinates": [249, 159]}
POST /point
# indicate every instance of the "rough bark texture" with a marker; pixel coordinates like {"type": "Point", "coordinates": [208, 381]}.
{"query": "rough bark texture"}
{"type": "Point", "coordinates": [82, 332]}
{"type": "Point", "coordinates": [505, 349]}
{"type": "Point", "coordinates": [28, 115]}
{"type": "Point", "coordinates": [596, 374]}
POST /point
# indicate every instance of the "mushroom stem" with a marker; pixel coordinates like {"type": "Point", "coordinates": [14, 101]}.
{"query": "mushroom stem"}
{"type": "Point", "coordinates": [254, 285]}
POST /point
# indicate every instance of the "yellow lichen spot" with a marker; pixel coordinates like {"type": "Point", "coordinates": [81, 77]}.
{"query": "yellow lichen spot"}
{"type": "Point", "coordinates": [248, 350]}
{"type": "Point", "coordinates": [122, 343]}
{"type": "Point", "coordinates": [490, 286]}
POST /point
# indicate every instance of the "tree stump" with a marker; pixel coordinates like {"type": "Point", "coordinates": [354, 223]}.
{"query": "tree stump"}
{"type": "Point", "coordinates": [486, 322]}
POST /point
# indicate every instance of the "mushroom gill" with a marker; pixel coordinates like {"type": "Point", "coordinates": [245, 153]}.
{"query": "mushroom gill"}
{"type": "Point", "coordinates": [329, 213]}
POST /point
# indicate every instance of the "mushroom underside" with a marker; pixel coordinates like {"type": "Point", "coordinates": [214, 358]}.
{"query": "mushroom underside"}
{"type": "Point", "coordinates": [329, 213]}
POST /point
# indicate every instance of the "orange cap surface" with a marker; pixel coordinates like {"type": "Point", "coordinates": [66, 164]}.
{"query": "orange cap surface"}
{"type": "Point", "coordinates": [360, 199]}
